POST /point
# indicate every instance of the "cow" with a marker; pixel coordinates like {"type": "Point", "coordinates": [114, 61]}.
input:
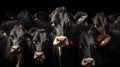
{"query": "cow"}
{"type": "Point", "coordinates": [88, 48]}
{"type": "Point", "coordinates": [105, 41]}
{"type": "Point", "coordinates": [62, 22]}
{"type": "Point", "coordinates": [6, 58]}
{"type": "Point", "coordinates": [107, 26]}
{"type": "Point", "coordinates": [19, 40]}
{"type": "Point", "coordinates": [42, 46]}
{"type": "Point", "coordinates": [113, 30]}
{"type": "Point", "coordinates": [92, 41]}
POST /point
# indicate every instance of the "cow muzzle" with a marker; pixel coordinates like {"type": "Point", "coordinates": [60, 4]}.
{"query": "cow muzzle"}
{"type": "Point", "coordinates": [15, 49]}
{"type": "Point", "coordinates": [88, 62]}
{"type": "Point", "coordinates": [39, 56]}
{"type": "Point", "coordinates": [61, 41]}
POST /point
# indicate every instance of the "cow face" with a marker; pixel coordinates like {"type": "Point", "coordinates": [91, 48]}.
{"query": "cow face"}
{"type": "Point", "coordinates": [61, 20]}
{"type": "Point", "coordinates": [15, 38]}
{"type": "Point", "coordinates": [40, 40]}
{"type": "Point", "coordinates": [87, 44]}
{"type": "Point", "coordinates": [100, 24]}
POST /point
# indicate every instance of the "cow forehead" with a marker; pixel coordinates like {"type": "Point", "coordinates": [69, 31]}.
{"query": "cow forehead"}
{"type": "Point", "coordinates": [40, 35]}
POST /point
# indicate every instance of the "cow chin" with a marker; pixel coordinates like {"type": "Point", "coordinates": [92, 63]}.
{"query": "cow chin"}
{"type": "Point", "coordinates": [41, 59]}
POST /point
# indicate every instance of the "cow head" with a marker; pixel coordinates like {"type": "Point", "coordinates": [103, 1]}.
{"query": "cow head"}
{"type": "Point", "coordinates": [40, 41]}
{"type": "Point", "coordinates": [100, 22]}
{"type": "Point", "coordinates": [86, 44]}
{"type": "Point", "coordinates": [61, 20]}
{"type": "Point", "coordinates": [15, 38]}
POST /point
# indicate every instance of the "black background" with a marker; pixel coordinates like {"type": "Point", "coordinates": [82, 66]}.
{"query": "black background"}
{"type": "Point", "coordinates": [89, 6]}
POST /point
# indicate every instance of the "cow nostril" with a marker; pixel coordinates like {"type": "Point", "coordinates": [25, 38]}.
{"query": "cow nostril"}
{"type": "Point", "coordinates": [87, 61]}
{"type": "Point", "coordinates": [39, 55]}
{"type": "Point", "coordinates": [18, 48]}
{"type": "Point", "coordinates": [61, 39]}
{"type": "Point", "coordinates": [15, 47]}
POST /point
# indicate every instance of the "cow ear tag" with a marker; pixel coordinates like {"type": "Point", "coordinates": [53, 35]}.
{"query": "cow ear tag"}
{"type": "Point", "coordinates": [103, 39]}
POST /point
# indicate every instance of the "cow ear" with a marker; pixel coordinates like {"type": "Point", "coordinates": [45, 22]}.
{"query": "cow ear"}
{"type": "Point", "coordinates": [103, 39]}
{"type": "Point", "coordinates": [80, 17]}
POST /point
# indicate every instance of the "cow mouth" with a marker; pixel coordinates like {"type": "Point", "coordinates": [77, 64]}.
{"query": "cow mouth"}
{"type": "Point", "coordinates": [15, 51]}
{"type": "Point", "coordinates": [40, 59]}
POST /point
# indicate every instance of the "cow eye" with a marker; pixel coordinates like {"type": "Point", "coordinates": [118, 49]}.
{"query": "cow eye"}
{"type": "Point", "coordinates": [11, 37]}
{"type": "Point", "coordinates": [34, 42]}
